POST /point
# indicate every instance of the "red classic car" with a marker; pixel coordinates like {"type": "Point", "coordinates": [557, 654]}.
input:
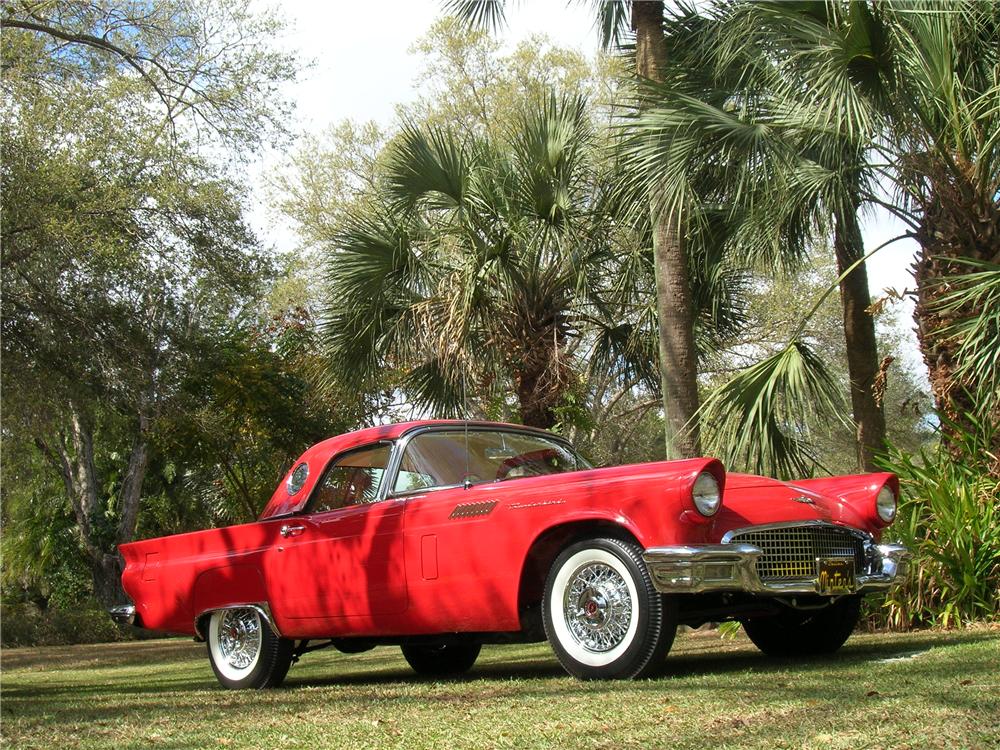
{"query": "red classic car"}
{"type": "Point", "coordinates": [440, 536]}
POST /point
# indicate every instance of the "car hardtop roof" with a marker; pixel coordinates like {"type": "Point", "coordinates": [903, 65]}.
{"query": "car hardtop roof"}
{"type": "Point", "coordinates": [398, 429]}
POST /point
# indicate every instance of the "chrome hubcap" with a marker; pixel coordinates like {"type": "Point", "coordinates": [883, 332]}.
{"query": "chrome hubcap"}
{"type": "Point", "coordinates": [239, 637]}
{"type": "Point", "coordinates": [597, 607]}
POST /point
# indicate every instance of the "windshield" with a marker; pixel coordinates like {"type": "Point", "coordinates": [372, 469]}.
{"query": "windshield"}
{"type": "Point", "coordinates": [440, 458]}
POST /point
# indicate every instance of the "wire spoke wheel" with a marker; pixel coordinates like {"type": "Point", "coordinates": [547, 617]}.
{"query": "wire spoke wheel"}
{"type": "Point", "coordinates": [598, 607]}
{"type": "Point", "coordinates": [244, 651]}
{"type": "Point", "coordinates": [239, 637]}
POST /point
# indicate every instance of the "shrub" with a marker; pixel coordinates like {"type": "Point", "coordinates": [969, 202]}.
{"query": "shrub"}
{"type": "Point", "coordinates": [25, 624]}
{"type": "Point", "coordinates": [949, 516]}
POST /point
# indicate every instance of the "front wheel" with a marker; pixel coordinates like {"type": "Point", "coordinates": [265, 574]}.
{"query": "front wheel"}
{"type": "Point", "coordinates": [442, 660]}
{"type": "Point", "coordinates": [805, 632]}
{"type": "Point", "coordinates": [244, 652]}
{"type": "Point", "coordinates": [602, 615]}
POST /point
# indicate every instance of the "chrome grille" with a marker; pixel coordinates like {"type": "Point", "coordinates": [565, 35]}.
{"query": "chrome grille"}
{"type": "Point", "coordinates": [790, 553]}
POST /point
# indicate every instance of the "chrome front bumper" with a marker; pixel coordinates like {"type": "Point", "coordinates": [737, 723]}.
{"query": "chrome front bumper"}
{"type": "Point", "coordinates": [733, 567]}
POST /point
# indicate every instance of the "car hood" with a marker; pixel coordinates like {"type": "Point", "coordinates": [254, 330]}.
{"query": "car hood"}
{"type": "Point", "coordinates": [749, 500]}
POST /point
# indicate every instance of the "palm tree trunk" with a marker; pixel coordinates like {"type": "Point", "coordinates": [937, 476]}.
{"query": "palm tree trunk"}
{"type": "Point", "coordinates": [674, 308]}
{"type": "Point", "coordinates": [862, 349]}
{"type": "Point", "coordinates": [535, 400]}
{"type": "Point", "coordinates": [958, 222]}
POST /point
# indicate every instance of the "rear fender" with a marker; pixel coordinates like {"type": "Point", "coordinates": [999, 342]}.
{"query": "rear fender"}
{"type": "Point", "coordinates": [219, 588]}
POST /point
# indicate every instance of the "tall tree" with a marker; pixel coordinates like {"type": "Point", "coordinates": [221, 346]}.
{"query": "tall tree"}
{"type": "Point", "coordinates": [208, 67]}
{"type": "Point", "coordinates": [479, 93]}
{"type": "Point", "coordinates": [121, 245]}
{"type": "Point", "coordinates": [676, 313]}
{"type": "Point", "coordinates": [944, 158]}
{"type": "Point", "coordinates": [867, 94]}
{"type": "Point", "coordinates": [718, 108]}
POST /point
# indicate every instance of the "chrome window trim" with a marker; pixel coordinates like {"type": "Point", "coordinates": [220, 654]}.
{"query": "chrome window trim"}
{"type": "Point", "coordinates": [396, 459]}
{"type": "Point", "coordinates": [862, 535]}
{"type": "Point", "coordinates": [262, 608]}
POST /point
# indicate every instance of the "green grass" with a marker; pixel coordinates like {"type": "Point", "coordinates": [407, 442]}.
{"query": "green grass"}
{"type": "Point", "coordinates": [917, 690]}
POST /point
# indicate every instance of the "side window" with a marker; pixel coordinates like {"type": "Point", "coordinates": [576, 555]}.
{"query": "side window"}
{"type": "Point", "coordinates": [352, 479]}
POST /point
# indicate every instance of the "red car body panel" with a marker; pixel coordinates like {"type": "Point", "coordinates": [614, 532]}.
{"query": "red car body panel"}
{"type": "Point", "coordinates": [447, 560]}
{"type": "Point", "coordinates": [846, 500]}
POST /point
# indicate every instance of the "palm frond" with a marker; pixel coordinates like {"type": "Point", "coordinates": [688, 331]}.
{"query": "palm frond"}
{"type": "Point", "coordinates": [435, 385]}
{"type": "Point", "coordinates": [547, 146]}
{"type": "Point", "coordinates": [485, 15]}
{"type": "Point", "coordinates": [760, 420]}
{"type": "Point", "coordinates": [429, 166]}
{"type": "Point", "coordinates": [613, 20]}
{"type": "Point", "coordinates": [974, 297]}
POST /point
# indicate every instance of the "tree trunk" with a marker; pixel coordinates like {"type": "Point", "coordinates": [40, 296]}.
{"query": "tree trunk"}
{"type": "Point", "coordinates": [957, 223]}
{"type": "Point", "coordinates": [678, 355]}
{"type": "Point", "coordinates": [78, 471]}
{"type": "Point", "coordinates": [537, 409]}
{"type": "Point", "coordinates": [674, 307]}
{"type": "Point", "coordinates": [862, 349]}
{"type": "Point", "coordinates": [106, 574]}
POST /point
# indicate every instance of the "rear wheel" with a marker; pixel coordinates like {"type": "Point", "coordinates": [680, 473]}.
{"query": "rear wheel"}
{"type": "Point", "coordinates": [441, 660]}
{"type": "Point", "coordinates": [244, 652]}
{"type": "Point", "coordinates": [805, 632]}
{"type": "Point", "coordinates": [602, 615]}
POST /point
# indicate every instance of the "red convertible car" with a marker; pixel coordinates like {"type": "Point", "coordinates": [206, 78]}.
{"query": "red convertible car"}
{"type": "Point", "coordinates": [440, 536]}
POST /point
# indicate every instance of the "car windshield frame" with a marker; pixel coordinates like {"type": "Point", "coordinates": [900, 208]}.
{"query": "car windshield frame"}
{"type": "Point", "coordinates": [403, 442]}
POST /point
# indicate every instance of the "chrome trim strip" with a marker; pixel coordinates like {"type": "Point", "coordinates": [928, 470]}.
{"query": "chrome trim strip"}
{"type": "Point", "coordinates": [733, 567]}
{"type": "Point", "coordinates": [262, 608]}
{"type": "Point", "coordinates": [123, 614]}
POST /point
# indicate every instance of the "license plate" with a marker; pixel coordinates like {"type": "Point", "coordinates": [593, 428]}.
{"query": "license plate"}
{"type": "Point", "coordinates": [836, 576]}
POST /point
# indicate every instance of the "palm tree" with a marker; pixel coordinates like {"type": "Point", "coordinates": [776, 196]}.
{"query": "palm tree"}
{"type": "Point", "coordinates": [944, 159]}
{"type": "Point", "coordinates": [486, 267]}
{"type": "Point", "coordinates": [922, 93]}
{"type": "Point", "coordinates": [725, 128]}
{"type": "Point", "coordinates": [675, 304]}
{"type": "Point", "coordinates": [838, 97]}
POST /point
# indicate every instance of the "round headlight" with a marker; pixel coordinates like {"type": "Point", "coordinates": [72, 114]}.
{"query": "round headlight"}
{"type": "Point", "coordinates": [885, 504]}
{"type": "Point", "coordinates": [705, 494]}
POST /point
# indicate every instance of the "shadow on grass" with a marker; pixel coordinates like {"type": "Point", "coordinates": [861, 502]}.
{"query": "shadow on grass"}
{"type": "Point", "coordinates": [713, 658]}
{"type": "Point", "coordinates": [129, 653]}
{"type": "Point", "coordinates": [694, 667]}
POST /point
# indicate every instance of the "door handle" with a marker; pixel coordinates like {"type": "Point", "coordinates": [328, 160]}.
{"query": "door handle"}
{"type": "Point", "coordinates": [287, 530]}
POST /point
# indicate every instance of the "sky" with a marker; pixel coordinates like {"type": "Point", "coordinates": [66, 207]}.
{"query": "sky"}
{"type": "Point", "coordinates": [360, 68]}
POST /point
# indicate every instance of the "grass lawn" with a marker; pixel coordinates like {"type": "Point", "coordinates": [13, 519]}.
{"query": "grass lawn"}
{"type": "Point", "coordinates": [929, 689]}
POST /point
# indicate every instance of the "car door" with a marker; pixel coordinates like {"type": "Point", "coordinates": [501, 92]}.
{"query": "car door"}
{"type": "Point", "coordinates": [343, 556]}
{"type": "Point", "coordinates": [462, 576]}
{"type": "Point", "coordinates": [464, 550]}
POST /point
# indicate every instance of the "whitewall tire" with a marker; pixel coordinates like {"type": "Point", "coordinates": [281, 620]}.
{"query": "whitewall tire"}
{"type": "Point", "coordinates": [244, 651]}
{"type": "Point", "coordinates": [602, 615]}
